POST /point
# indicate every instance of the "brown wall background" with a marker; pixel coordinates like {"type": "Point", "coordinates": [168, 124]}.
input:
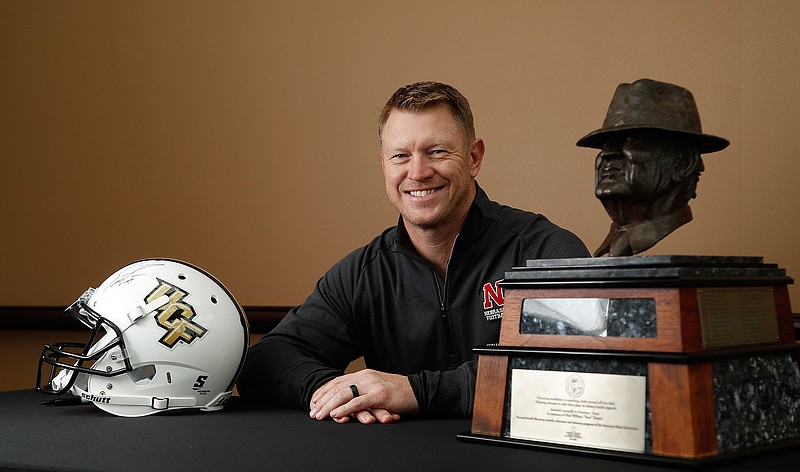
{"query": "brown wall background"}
{"type": "Point", "coordinates": [240, 135]}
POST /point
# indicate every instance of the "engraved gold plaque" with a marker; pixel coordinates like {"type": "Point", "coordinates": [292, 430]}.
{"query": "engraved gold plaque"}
{"type": "Point", "coordinates": [737, 316]}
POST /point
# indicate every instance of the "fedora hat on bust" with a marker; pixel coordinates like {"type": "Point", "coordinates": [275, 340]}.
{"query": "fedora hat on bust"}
{"type": "Point", "coordinates": [648, 104]}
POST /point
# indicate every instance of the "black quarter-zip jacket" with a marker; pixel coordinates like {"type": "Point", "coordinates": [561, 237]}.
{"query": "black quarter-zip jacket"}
{"type": "Point", "coordinates": [386, 303]}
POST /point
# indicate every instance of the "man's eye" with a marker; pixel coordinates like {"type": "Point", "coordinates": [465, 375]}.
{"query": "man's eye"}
{"type": "Point", "coordinates": [438, 151]}
{"type": "Point", "coordinates": [400, 156]}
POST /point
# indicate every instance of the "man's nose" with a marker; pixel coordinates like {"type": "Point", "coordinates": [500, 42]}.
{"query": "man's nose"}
{"type": "Point", "coordinates": [420, 168]}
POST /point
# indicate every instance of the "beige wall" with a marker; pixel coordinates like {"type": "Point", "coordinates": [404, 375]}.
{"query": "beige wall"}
{"type": "Point", "coordinates": [240, 135]}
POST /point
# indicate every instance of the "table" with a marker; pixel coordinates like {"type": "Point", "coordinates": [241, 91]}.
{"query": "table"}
{"type": "Point", "coordinates": [245, 436]}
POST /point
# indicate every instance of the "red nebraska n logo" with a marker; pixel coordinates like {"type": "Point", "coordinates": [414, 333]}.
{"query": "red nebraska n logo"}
{"type": "Point", "coordinates": [492, 294]}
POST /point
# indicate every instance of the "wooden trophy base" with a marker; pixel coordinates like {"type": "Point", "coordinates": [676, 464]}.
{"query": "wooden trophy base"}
{"type": "Point", "coordinates": [708, 342]}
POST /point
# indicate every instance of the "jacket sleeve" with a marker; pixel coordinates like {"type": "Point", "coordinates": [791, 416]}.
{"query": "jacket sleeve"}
{"type": "Point", "coordinates": [446, 393]}
{"type": "Point", "coordinates": [312, 344]}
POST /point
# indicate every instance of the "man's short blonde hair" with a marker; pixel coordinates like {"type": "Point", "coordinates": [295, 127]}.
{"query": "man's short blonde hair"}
{"type": "Point", "coordinates": [422, 95]}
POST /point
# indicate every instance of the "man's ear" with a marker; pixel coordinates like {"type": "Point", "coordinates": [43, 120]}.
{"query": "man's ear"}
{"type": "Point", "coordinates": [686, 165]}
{"type": "Point", "coordinates": [476, 152]}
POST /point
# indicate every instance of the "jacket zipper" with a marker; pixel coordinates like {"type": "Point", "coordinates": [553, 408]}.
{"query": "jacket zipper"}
{"type": "Point", "coordinates": [443, 315]}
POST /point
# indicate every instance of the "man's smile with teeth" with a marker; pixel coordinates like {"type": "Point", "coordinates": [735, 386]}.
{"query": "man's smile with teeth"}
{"type": "Point", "coordinates": [422, 193]}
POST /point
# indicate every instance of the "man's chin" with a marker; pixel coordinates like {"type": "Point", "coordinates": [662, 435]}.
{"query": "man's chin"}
{"type": "Point", "coordinates": [421, 221]}
{"type": "Point", "coordinates": [612, 193]}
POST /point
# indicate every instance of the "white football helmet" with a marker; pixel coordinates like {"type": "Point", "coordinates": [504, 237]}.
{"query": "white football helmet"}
{"type": "Point", "coordinates": [165, 336]}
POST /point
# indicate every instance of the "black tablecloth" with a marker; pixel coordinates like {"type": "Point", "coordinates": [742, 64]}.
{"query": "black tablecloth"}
{"type": "Point", "coordinates": [249, 437]}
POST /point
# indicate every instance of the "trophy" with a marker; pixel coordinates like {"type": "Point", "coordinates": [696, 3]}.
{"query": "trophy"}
{"type": "Point", "coordinates": [685, 359]}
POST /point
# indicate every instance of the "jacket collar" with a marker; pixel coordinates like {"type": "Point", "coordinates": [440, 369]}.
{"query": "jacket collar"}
{"type": "Point", "coordinates": [638, 237]}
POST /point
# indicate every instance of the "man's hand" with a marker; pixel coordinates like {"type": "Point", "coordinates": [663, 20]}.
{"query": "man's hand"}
{"type": "Point", "coordinates": [381, 397]}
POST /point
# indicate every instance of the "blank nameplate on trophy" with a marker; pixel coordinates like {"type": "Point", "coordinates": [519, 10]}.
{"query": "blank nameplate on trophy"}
{"type": "Point", "coordinates": [737, 316]}
{"type": "Point", "coordinates": [579, 409]}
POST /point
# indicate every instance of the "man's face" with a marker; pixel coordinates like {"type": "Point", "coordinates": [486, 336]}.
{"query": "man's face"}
{"type": "Point", "coordinates": [428, 167]}
{"type": "Point", "coordinates": [633, 167]}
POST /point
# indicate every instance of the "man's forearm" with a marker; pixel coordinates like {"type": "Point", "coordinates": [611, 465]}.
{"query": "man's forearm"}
{"type": "Point", "coordinates": [282, 375]}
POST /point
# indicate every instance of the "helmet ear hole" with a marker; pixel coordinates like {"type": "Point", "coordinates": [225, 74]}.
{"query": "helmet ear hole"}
{"type": "Point", "coordinates": [143, 375]}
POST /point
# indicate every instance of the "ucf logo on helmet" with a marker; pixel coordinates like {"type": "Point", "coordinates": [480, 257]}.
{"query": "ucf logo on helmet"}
{"type": "Point", "coordinates": [175, 316]}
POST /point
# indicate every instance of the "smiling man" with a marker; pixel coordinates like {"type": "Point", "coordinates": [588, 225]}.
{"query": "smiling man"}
{"type": "Point", "coordinates": [416, 300]}
{"type": "Point", "coordinates": [429, 166]}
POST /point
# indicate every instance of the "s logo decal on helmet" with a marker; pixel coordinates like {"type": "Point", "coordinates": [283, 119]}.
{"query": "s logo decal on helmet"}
{"type": "Point", "coordinates": [176, 316]}
{"type": "Point", "coordinates": [165, 335]}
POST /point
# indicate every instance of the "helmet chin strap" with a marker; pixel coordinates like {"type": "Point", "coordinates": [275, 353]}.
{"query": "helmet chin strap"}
{"type": "Point", "coordinates": [156, 403]}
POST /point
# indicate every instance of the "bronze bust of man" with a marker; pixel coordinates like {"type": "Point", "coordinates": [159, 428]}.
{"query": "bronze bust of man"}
{"type": "Point", "coordinates": [649, 163]}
